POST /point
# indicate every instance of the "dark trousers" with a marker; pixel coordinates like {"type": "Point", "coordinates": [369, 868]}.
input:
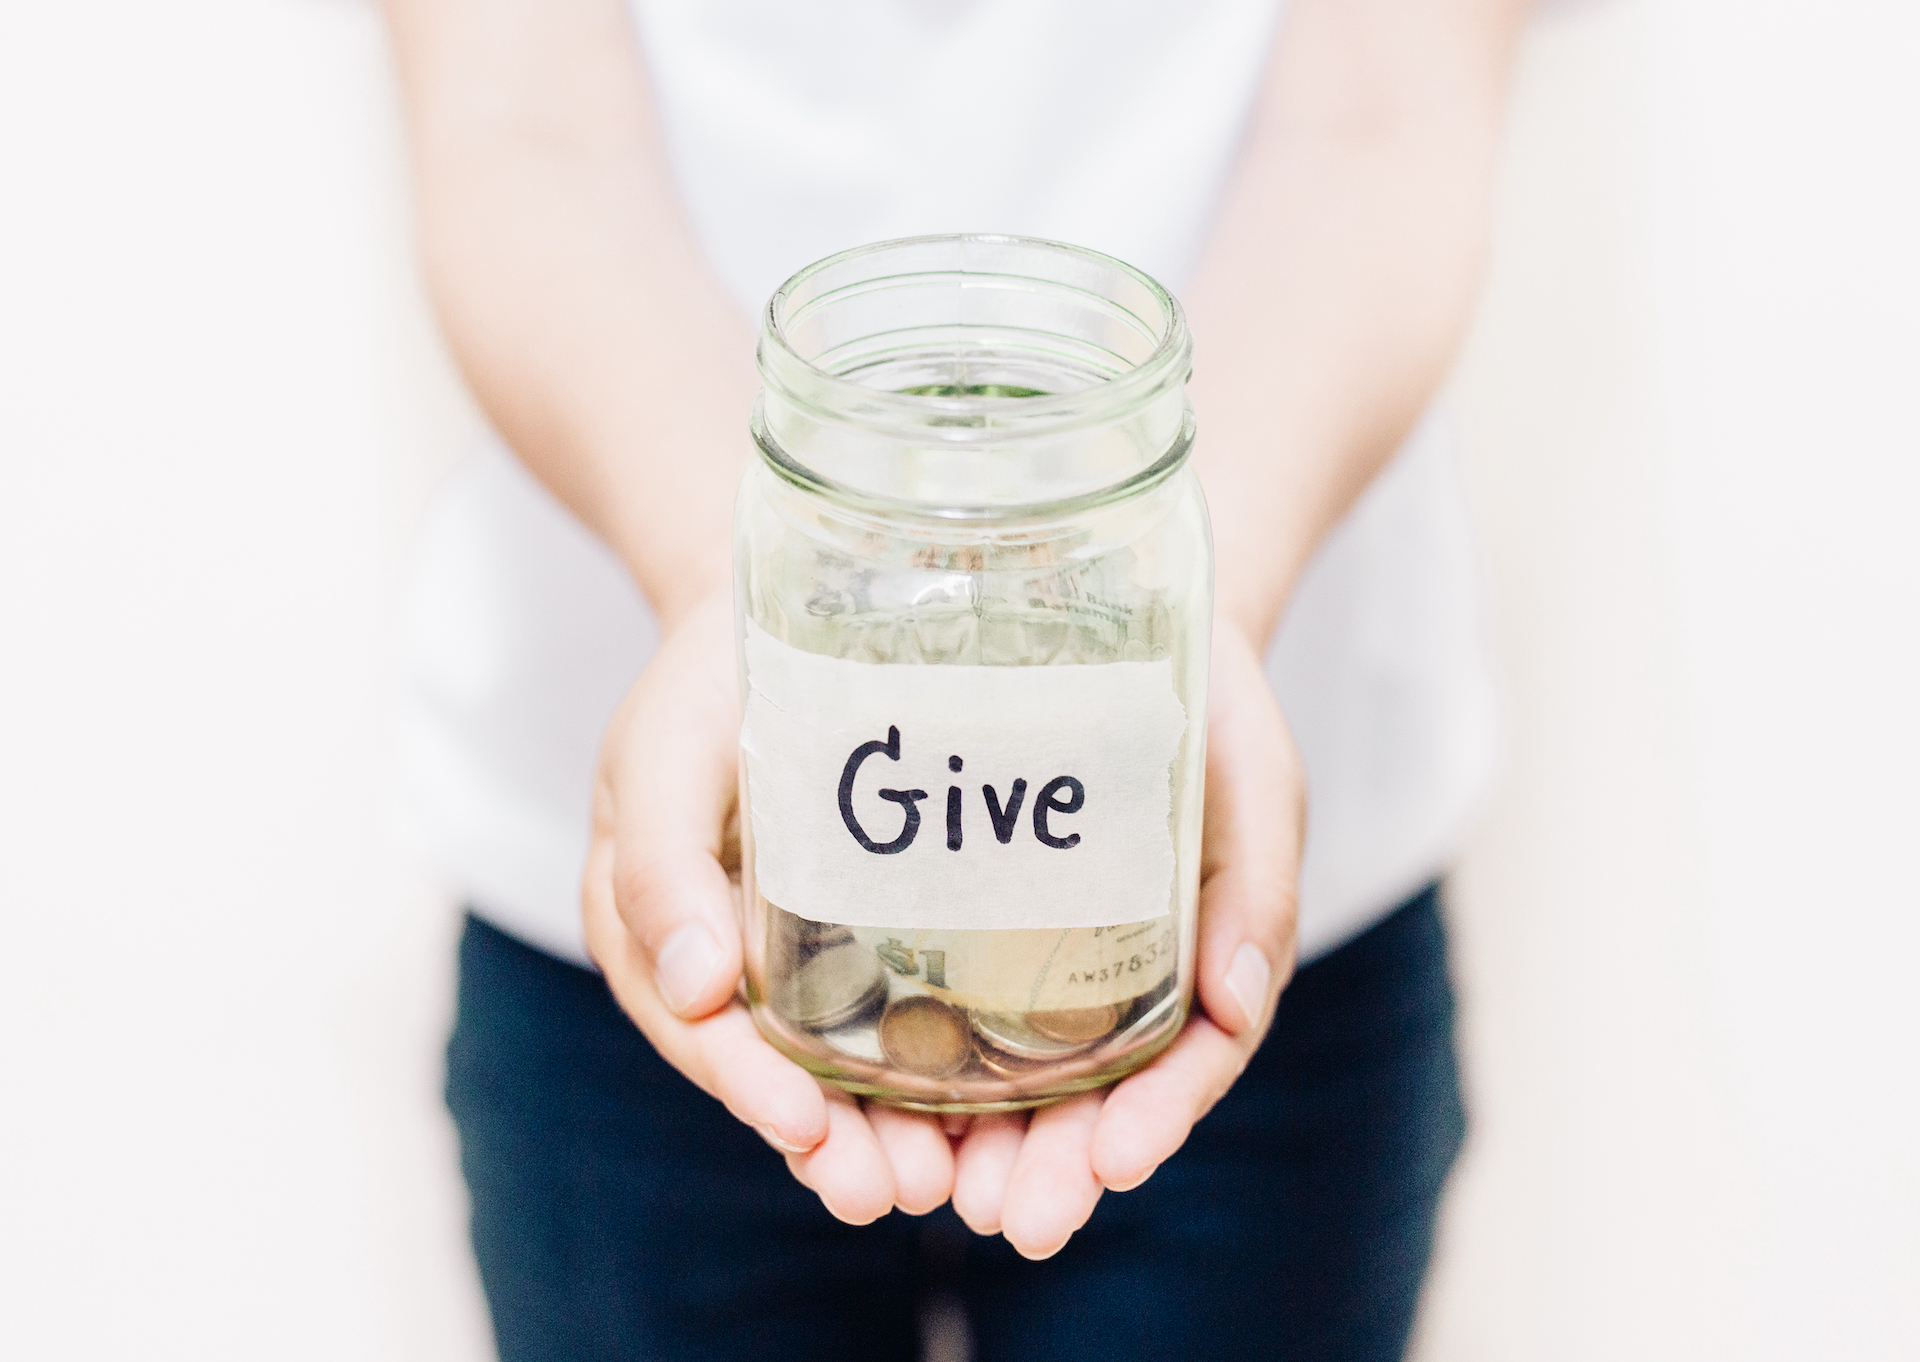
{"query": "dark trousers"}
{"type": "Point", "coordinates": [620, 1213]}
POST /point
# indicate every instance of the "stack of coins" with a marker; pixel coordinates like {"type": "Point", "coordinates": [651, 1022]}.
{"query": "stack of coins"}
{"type": "Point", "coordinates": [1013, 1044]}
{"type": "Point", "coordinates": [837, 985]}
{"type": "Point", "coordinates": [865, 1003]}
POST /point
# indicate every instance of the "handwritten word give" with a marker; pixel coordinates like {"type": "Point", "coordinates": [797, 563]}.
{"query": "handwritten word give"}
{"type": "Point", "coordinates": [1060, 796]}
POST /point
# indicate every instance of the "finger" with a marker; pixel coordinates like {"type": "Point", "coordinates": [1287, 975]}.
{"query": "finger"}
{"type": "Point", "coordinates": [920, 1154]}
{"type": "Point", "coordinates": [1254, 830]}
{"type": "Point", "coordinates": [1053, 1189]}
{"type": "Point", "coordinates": [665, 796]}
{"type": "Point", "coordinates": [1147, 1117]}
{"type": "Point", "coordinates": [983, 1164]}
{"type": "Point", "coordinates": [723, 1052]}
{"type": "Point", "coordinates": [848, 1170]}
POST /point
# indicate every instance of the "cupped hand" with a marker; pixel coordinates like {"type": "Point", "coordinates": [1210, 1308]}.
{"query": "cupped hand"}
{"type": "Point", "coordinates": [1035, 1179]}
{"type": "Point", "coordinates": [659, 901]}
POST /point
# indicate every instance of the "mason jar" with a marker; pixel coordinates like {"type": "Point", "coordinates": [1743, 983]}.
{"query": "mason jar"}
{"type": "Point", "coordinates": [973, 581]}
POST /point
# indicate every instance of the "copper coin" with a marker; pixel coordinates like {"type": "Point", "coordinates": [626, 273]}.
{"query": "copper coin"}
{"type": "Point", "coordinates": [925, 1036]}
{"type": "Point", "coordinates": [1012, 1067]}
{"type": "Point", "coordinates": [831, 988]}
{"type": "Point", "coordinates": [1075, 1025]}
{"type": "Point", "coordinates": [1009, 1034]}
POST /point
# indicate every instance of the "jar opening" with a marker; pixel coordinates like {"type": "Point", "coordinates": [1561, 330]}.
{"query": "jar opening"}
{"type": "Point", "coordinates": [968, 374]}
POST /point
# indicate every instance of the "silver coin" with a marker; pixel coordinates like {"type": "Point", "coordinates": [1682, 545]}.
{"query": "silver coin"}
{"type": "Point", "coordinates": [1009, 1033]}
{"type": "Point", "coordinates": [799, 938]}
{"type": "Point", "coordinates": [831, 988]}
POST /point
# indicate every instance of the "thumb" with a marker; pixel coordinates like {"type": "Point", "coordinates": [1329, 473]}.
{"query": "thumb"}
{"type": "Point", "coordinates": [1250, 859]}
{"type": "Point", "coordinates": [664, 800]}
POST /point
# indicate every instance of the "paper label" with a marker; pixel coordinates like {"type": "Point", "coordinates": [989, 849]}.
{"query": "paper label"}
{"type": "Point", "coordinates": [954, 797]}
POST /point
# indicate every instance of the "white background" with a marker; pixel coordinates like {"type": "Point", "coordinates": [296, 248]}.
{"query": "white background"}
{"type": "Point", "coordinates": [1686, 934]}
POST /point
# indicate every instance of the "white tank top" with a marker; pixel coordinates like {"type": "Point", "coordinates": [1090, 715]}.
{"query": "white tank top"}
{"type": "Point", "coordinates": [799, 130]}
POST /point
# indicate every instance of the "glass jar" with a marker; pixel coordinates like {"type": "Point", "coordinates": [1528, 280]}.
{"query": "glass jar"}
{"type": "Point", "coordinates": [973, 581]}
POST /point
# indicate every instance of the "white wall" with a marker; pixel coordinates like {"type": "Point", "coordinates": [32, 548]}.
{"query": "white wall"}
{"type": "Point", "coordinates": [222, 998]}
{"type": "Point", "coordinates": [1686, 930]}
{"type": "Point", "coordinates": [1684, 934]}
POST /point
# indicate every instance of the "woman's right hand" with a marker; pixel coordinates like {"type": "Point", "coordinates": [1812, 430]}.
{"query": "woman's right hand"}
{"type": "Point", "coordinates": [660, 902]}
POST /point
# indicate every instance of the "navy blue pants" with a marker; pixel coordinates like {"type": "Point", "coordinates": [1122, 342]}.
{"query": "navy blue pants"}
{"type": "Point", "coordinates": [620, 1213]}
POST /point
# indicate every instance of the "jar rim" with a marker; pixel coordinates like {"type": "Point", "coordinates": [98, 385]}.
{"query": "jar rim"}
{"type": "Point", "coordinates": [957, 517]}
{"type": "Point", "coordinates": [970, 419]}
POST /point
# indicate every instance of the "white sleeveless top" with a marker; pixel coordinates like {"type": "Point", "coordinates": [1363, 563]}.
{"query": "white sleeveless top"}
{"type": "Point", "coordinates": [796, 131]}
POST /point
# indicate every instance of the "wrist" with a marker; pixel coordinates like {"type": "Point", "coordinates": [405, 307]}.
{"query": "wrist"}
{"type": "Point", "coordinates": [678, 568]}
{"type": "Point", "coordinates": [1246, 609]}
{"type": "Point", "coordinates": [690, 596]}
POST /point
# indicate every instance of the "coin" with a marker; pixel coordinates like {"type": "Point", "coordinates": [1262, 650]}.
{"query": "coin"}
{"type": "Point", "coordinates": [925, 1036]}
{"type": "Point", "coordinates": [859, 1040]}
{"type": "Point", "coordinates": [1014, 1068]}
{"type": "Point", "coordinates": [1075, 1025]}
{"type": "Point", "coordinates": [837, 984]}
{"type": "Point", "coordinates": [1010, 1034]}
{"type": "Point", "coordinates": [799, 938]}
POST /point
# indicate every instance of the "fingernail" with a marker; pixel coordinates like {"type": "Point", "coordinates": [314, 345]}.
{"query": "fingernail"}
{"type": "Point", "coordinates": [1129, 1186]}
{"type": "Point", "coordinates": [1042, 1257]}
{"type": "Point", "coordinates": [1247, 980]}
{"type": "Point", "coordinates": [685, 964]}
{"type": "Point", "coordinates": [766, 1133]}
{"type": "Point", "coordinates": [846, 1219]}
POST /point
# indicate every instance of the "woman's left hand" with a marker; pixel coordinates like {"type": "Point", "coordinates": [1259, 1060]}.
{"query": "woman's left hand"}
{"type": "Point", "coordinates": [1035, 1178]}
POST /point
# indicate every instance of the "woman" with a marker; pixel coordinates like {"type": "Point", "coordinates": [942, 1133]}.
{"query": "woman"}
{"type": "Point", "coordinates": [606, 196]}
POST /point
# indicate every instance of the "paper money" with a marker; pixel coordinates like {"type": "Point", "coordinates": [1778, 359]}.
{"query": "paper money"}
{"type": "Point", "coordinates": [1030, 970]}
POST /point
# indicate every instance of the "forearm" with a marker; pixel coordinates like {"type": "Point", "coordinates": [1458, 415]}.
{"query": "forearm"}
{"type": "Point", "coordinates": [566, 280]}
{"type": "Point", "coordinates": [1343, 270]}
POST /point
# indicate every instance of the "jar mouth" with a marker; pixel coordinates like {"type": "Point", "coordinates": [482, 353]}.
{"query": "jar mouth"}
{"type": "Point", "coordinates": [972, 370]}
{"type": "Point", "coordinates": [964, 266]}
{"type": "Point", "coordinates": [957, 513]}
